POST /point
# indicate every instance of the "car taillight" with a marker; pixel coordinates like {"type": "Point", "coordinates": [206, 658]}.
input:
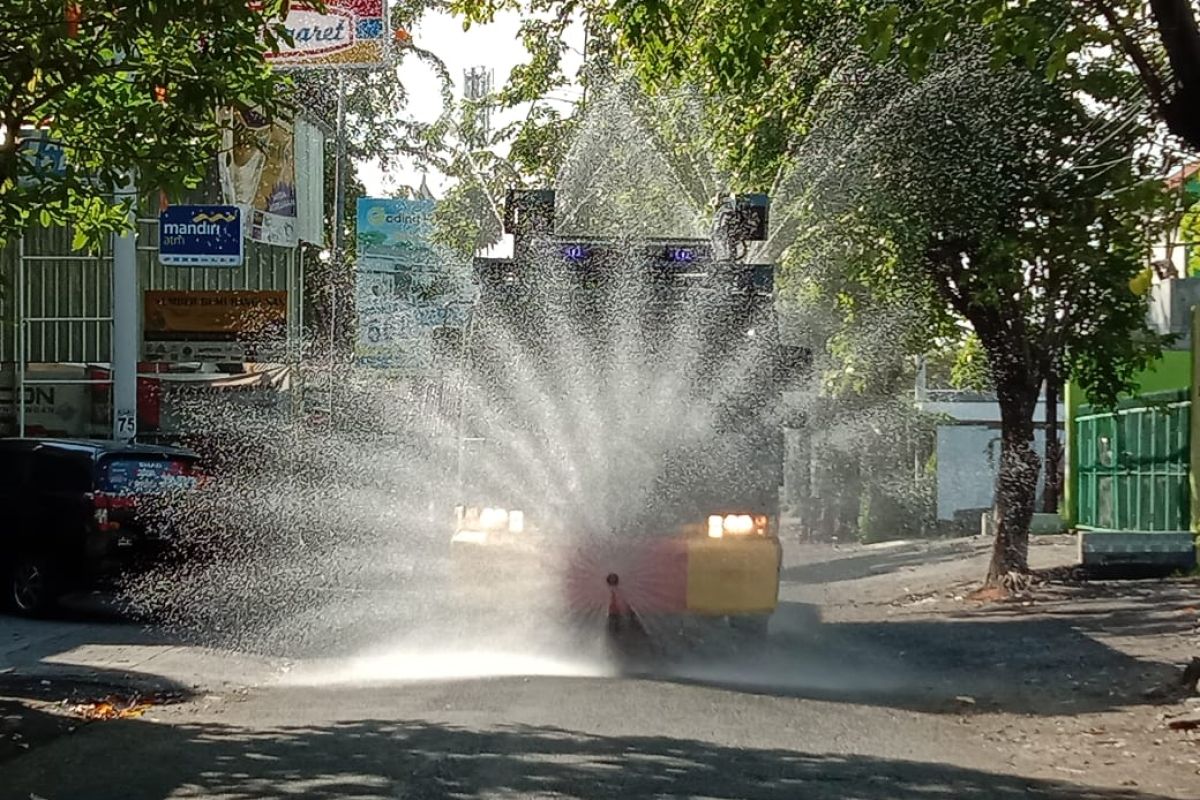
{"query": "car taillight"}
{"type": "Point", "coordinates": [103, 502]}
{"type": "Point", "coordinates": [101, 517]}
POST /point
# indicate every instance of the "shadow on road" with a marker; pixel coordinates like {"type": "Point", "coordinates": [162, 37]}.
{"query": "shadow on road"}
{"type": "Point", "coordinates": [35, 686]}
{"type": "Point", "coordinates": [1118, 608]}
{"type": "Point", "coordinates": [34, 709]}
{"type": "Point", "coordinates": [878, 562]}
{"type": "Point", "coordinates": [1037, 665]}
{"type": "Point", "coordinates": [376, 759]}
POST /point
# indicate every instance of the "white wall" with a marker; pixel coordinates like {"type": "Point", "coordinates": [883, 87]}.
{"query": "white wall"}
{"type": "Point", "coordinates": [968, 458]}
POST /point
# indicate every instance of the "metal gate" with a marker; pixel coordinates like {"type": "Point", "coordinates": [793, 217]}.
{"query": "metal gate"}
{"type": "Point", "coordinates": [1134, 464]}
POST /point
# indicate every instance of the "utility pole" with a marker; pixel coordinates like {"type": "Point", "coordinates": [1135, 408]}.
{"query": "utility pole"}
{"type": "Point", "coordinates": [125, 320]}
{"type": "Point", "coordinates": [337, 292]}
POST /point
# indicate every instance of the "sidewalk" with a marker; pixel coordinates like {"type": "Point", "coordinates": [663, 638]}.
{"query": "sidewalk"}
{"type": "Point", "coordinates": [87, 654]}
{"type": "Point", "coordinates": [1069, 674]}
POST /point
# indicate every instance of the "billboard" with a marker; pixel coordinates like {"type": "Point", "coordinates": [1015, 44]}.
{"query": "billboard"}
{"type": "Point", "coordinates": [347, 33]}
{"type": "Point", "coordinates": [215, 326]}
{"type": "Point", "coordinates": [396, 228]}
{"type": "Point", "coordinates": [258, 174]}
{"type": "Point", "coordinates": [405, 285]}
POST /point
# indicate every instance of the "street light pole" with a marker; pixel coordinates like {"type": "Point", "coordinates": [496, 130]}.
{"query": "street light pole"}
{"type": "Point", "coordinates": [125, 320]}
{"type": "Point", "coordinates": [339, 178]}
{"type": "Point", "coordinates": [336, 293]}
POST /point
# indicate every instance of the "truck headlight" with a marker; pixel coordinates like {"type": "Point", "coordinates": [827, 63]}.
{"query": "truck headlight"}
{"type": "Point", "coordinates": [493, 518]}
{"type": "Point", "coordinates": [736, 525]}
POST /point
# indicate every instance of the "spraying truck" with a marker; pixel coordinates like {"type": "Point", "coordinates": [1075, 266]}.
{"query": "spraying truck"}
{"type": "Point", "coordinates": [620, 432]}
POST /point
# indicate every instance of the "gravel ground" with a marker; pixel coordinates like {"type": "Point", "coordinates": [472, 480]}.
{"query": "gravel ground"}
{"type": "Point", "coordinates": [1064, 678]}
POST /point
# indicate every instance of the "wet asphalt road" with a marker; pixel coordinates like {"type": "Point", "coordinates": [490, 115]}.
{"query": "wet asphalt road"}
{"type": "Point", "coordinates": [516, 737]}
{"type": "Point", "coordinates": [475, 705]}
{"type": "Point", "coordinates": [523, 737]}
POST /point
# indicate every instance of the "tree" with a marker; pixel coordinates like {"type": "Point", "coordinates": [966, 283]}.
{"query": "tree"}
{"type": "Point", "coordinates": [1008, 193]}
{"type": "Point", "coordinates": [1024, 209]}
{"type": "Point", "coordinates": [120, 88]}
{"type": "Point", "coordinates": [530, 150]}
{"type": "Point", "coordinates": [376, 99]}
{"type": "Point", "coordinates": [1159, 39]}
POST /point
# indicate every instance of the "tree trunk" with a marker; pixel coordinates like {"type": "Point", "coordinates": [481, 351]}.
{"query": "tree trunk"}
{"type": "Point", "coordinates": [1016, 484]}
{"type": "Point", "coordinates": [1053, 484]}
{"type": "Point", "coordinates": [1180, 36]}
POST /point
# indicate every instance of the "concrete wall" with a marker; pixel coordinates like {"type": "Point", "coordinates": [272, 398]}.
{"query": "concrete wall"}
{"type": "Point", "coordinates": [968, 460]}
{"type": "Point", "coordinates": [1170, 309]}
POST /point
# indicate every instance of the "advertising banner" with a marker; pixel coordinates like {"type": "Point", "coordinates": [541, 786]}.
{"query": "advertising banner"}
{"type": "Point", "coordinates": [50, 409]}
{"type": "Point", "coordinates": [310, 182]}
{"type": "Point", "coordinates": [258, 174]}
{"type": "Point", "coordinates": [214, 315]}
{"type": "Point", "coordinates": [405, 285]}
{"type": "Point", "coordinates": [200, 236]}
{"type": "Point", "coordinates": [395, 228]}
{"type": "Point", "coordinates": [348, 33]}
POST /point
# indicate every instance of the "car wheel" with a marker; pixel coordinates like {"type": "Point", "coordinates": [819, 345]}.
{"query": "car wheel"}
{"type": "Point", "coordinates": [31, 587]}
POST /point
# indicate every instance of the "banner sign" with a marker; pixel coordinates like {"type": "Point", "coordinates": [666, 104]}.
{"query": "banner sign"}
{"type": "Point", "coordinates": [214, 315]}
{"type": "Point", "coordinates": [200, 236]}
{"type": "Point", "coordinates": [50, 409]}
{"type": "Point", "coordinates": [397, 228]}
{"type": "Point", "coordinates": [405, 285]}
{"type": "Point", "coordinates": [348, 33]}
{"type": "Point", "coordinates": [258, 174]}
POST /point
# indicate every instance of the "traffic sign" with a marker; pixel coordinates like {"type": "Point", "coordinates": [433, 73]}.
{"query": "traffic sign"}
{"type": "Point", "coordinates": [200, 236]}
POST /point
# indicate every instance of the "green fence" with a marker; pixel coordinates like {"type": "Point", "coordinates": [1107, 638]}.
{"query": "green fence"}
{"type": "Point", "coordinates": [1133, 464]}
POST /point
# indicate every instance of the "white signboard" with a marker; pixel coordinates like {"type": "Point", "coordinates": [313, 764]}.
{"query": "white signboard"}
{"type": "Point", "coordinates": [348, 33]}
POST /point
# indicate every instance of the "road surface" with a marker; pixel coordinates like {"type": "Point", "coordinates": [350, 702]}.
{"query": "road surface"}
{"type": "Point", "coordinates": [525, 709]}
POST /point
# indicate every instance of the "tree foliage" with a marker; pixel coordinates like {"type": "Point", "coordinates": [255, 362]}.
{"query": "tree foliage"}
{"type": "Point", "coordinates": [1159, 40]}
{"type": "Point", "coordinates": [122, 87]}
{"type": "Point", "coordinates": [1024, 205]}
{"type": "Point", "coordinates": [530, 149]}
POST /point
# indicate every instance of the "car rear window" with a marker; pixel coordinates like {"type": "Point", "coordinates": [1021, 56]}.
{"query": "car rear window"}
{"type": "Point", "coordinates": [140, 475]}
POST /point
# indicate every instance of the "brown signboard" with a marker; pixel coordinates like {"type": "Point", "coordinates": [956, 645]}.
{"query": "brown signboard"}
{"type": "Point", "coordinates": [215, 315]}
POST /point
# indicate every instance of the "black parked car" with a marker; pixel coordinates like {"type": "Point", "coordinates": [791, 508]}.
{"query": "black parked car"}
{"type": "Point", "coordinates": [78, 511]}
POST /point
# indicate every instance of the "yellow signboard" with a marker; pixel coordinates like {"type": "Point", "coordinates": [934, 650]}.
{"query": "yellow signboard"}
{"type": "Point", "coordinates": [215, 315]}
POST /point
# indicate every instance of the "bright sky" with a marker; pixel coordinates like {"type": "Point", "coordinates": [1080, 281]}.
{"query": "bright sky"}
{"type": "Point", "coordinates": [496, 47]}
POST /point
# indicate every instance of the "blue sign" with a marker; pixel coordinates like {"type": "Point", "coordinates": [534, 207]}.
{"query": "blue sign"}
{"type": "Point", "coordinates": [42, 156]}
{"type": "Point", "coordinates": [200, 236]}
{"type": "Point", "coordinates": [394, 226]}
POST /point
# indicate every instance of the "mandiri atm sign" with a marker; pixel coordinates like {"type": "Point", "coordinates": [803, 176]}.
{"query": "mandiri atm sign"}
{"type": "Point", "coordinates": [200, 236]}
{"type": "Point", "coordinates": [347, 33]}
